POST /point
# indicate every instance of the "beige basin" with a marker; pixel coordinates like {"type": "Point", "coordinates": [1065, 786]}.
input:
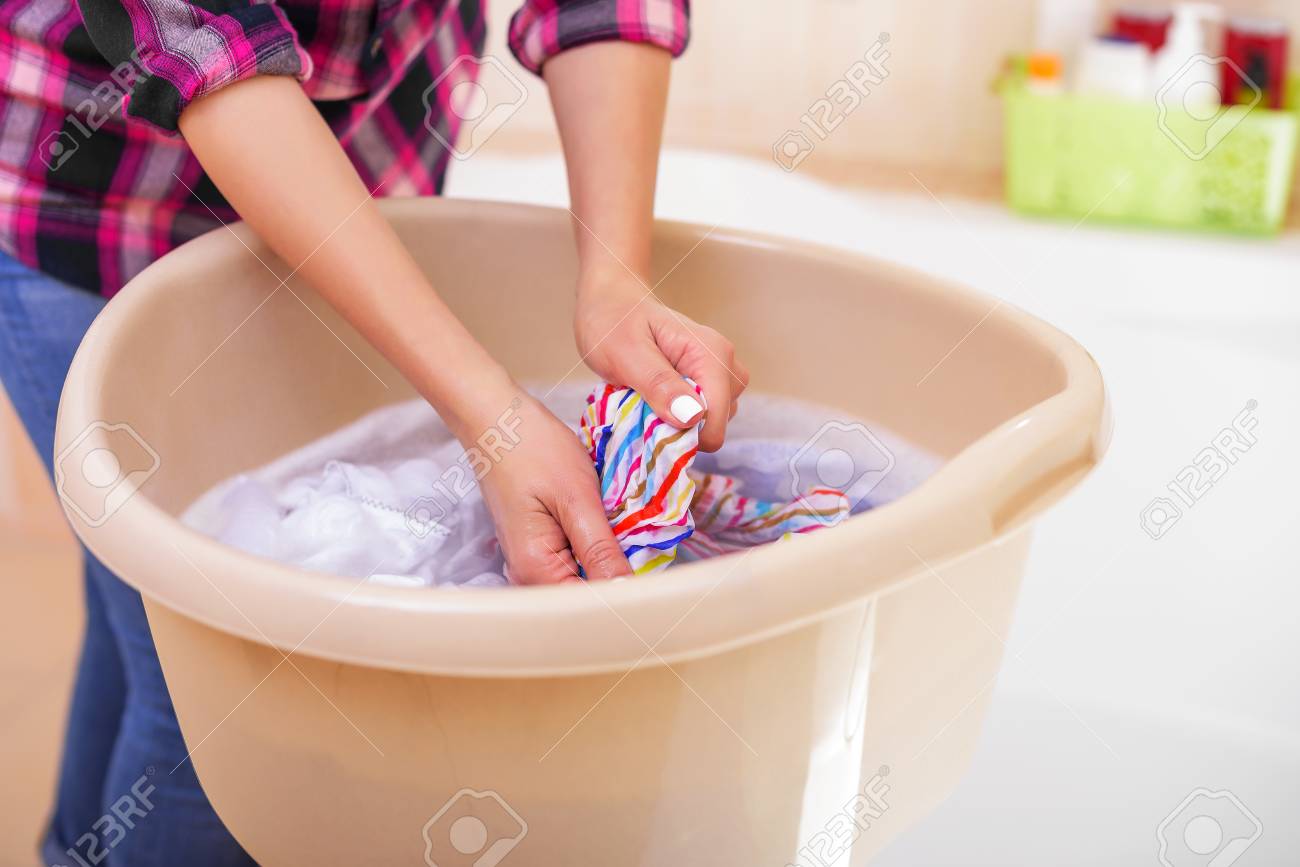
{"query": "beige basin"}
{"type": "Point", "coordinates": [730, 712]}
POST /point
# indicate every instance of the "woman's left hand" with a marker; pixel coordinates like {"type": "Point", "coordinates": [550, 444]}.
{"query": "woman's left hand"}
{"type": "Point", "coordinates": [628, 337]}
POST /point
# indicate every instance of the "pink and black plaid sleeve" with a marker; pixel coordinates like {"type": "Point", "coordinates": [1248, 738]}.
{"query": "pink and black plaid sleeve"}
{"type": "Point", "coordinates": [91, 193]}
{"type": "Point", "coordinates": [180, 50]}
{"type": "Point", "coordinates": [543, 28]}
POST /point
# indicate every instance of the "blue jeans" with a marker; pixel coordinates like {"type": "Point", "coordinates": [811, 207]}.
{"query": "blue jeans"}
{"type": "Point", "coordinates": [119, 803]}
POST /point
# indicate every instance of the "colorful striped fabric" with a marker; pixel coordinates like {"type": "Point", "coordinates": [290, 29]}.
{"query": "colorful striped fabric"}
{"type": "Point", "coordinates": [657, 505]}
{"type": "Point", "coordinates": [642, 467]}
{"type": "Point", "coordinates": [726, 520]}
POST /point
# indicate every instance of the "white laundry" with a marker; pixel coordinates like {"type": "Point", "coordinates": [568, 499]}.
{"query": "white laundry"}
{"type": "Point", "coordinates": [391, 498]}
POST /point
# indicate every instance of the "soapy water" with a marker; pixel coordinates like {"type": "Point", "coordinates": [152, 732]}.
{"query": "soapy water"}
{"type": "Point", "coordinates": [391, 498]}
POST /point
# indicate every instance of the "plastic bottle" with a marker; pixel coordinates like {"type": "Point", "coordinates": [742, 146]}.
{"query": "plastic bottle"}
{"type": "Point", "coordinates": [1044, 73]}
{"type": "Point", "coordinates": [1061, 27]}
{"type": "Point", "coordinates": [1179, 79]}
{"type": "Point", "coordinates": [1148, 26]}
{"type": "Point", "coordinates": [1257, 49]}
{"type": "Point", "coordinates": [1114, 67]}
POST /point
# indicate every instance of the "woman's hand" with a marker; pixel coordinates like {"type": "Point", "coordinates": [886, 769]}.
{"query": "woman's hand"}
{"type": "Point", "coordinates": [629, 338]}
{"type": "Point", "coordinates": [609, 100]}
{"type": "Point", "coordinates": [542, 490]}
{"type": "Point", "coordinates": [543, 495]}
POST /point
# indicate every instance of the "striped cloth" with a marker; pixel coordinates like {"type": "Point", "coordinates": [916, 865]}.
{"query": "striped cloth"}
{"type": "Point", "coordinates": [726, 520]}
{"type": "Point", "coordinates": [657, 505]}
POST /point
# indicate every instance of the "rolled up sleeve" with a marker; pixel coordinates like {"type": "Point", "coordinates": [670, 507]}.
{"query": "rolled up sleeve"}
{"type": "Point", "coordinates": [543, 28]}
{"type": "Point", "coordinates": [181, 51]}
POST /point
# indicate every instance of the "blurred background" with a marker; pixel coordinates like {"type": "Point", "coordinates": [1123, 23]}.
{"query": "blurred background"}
{"type": "Point", "coordinates": [1124, 171]}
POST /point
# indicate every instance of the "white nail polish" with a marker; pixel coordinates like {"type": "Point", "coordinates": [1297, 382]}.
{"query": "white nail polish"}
{"type": "Point", "coordinates": [684, 408]}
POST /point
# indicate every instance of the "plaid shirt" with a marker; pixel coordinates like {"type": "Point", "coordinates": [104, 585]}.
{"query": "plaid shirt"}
{"type": "Point", "coordinates": [94, 182]}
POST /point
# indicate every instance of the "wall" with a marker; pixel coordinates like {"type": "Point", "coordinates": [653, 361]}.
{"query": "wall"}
{"type": "Point", "coordinates": [755, 66]}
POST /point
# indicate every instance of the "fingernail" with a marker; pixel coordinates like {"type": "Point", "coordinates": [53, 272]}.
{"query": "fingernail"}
{"type": "Point", "coordinates": [684, 408]}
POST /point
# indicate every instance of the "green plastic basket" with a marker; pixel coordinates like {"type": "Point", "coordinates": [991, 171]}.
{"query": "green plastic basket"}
{"type": "Point", "coordinates": [1070, 155]}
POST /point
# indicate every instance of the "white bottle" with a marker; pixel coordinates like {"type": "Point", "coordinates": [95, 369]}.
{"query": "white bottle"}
{"type": "Point", "coordinates": [1184, 75]}
{"type": "Point", "coordinates": [1062, 26]}
{"type": "Point", "coordinates": [1110, 67]}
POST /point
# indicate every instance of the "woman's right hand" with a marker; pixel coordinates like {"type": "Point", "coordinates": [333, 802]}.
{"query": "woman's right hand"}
{"type": "Point", "coordinates": [542, 492]}
{"type": "Point", "coordinates": [544, 498]}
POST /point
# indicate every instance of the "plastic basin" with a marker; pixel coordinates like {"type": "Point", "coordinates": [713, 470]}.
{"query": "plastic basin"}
{"type": "Point", "coordinates": [726, 712]}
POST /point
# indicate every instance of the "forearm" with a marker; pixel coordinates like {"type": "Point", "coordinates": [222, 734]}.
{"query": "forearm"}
{"type": "Point", "coordinates": [290, 180]}
{"type": "Point", "coordinates": [609, 100]}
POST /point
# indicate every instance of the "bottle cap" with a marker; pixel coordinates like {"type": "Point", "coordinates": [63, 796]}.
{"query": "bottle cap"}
{"type": "Point", "coordinates": [1044, 65]}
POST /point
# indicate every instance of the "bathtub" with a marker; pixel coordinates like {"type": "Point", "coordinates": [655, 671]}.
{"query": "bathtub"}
{"type": "Point", "coordinates": [781, 706]}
